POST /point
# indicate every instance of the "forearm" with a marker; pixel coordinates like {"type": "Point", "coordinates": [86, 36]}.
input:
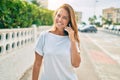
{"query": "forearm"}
{"type": "Point", "coordinates": [75, 56]}
{"type": "Point", "coordinates": [36, 70]}
{"type": "Point", "coordinates": [36, 66]}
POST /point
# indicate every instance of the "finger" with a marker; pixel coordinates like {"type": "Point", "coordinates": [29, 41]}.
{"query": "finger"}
{"type": "Point", "coordinates": [69, 28]}
{"type": "Point", "coordinates": [65, 28]}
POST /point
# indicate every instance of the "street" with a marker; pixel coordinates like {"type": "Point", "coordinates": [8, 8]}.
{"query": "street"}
{"type": "Point", "coordinates": [100, 54]}
{"type": "Point", "coordinates": [103, 50]}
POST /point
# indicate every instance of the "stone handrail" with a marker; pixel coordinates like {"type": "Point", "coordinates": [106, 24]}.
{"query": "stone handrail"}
{"type": "Point", "coordinates": [11, 39]}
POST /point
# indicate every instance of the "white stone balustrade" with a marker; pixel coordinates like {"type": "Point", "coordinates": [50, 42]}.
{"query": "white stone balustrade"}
{"type": "Point", "coordinates": [11, 39]}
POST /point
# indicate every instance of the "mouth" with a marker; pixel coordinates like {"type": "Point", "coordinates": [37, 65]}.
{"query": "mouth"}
{"type": "Point", "coordinates": [59, 24]}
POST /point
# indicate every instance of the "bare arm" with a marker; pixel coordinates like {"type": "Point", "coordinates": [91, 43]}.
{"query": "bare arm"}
{"type": "Point", "coordinates": [75, 55]}
{"type": "Point", "coordinates": [36, 66]}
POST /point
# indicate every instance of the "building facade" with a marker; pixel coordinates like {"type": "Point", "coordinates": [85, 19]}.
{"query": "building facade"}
{"type": "Point", "coordinates": [78, 17]}
{"type": "Point", "coordinates": [112, 14]}
{"type": "Point", "coordinates": [43, 3]}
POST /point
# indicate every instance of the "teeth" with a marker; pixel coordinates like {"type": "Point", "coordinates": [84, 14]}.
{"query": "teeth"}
{"type": "Point", "coordinates": [59, 23]}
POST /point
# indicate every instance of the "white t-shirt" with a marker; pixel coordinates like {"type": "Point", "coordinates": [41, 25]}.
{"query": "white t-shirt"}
{"type": "Point", "coordinates": [55, 50]}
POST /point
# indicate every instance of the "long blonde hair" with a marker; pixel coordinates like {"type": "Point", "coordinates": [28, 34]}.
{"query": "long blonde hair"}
{"type": "Point", "coordinates": [72, 17]}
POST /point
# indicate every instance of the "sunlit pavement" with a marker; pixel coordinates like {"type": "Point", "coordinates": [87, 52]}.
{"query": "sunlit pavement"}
{"type": "Point", "coordinates": [103, 50]}
{"type": "Point", "coordinates": [98, 58]}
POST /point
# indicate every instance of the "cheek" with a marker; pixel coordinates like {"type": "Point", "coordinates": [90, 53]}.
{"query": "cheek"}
{"type": "Point", "coordinates": [66, 22]}
{"type": "Point", "coordinates": [55, 19]}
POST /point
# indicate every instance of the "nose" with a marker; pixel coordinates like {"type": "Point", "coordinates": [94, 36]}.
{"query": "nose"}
{"type": "Point", "coordinates": [60, 19]}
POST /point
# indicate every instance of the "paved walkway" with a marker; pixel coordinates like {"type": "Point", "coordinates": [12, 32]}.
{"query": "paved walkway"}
{"type": "Point", "coordinates": [106, 67]}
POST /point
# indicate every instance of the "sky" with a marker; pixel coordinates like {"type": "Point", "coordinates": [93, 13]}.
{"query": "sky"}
{"type": "Point", "coordinates": [87, 7]}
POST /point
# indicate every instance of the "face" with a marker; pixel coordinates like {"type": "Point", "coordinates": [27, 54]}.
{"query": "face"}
{"type": "Point", "coordinates": [61, 18]}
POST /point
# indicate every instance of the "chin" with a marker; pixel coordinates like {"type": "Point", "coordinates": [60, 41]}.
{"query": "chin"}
{"type": "Point", "coordinates": [58, 25]}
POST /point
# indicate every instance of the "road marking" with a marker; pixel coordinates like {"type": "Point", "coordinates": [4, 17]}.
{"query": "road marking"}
{"type": "Point", "coordinates": [101, 57]}
{"type": "Point", "coordinates": [116, 58]}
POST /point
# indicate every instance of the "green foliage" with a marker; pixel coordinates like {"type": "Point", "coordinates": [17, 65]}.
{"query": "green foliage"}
{"type": "Point", "coordinates": [35, 2]}
{"type": "Point", "coordinates": [98, 24]}
{"type": "Point", "coordinates": [92, 19]}
{"type": "Point", "coordinates": [116, 23]}
{"type": "Point", "coordinates": [106, 21]}
{"type": "Point", "coordinates": [83, 23]}
{"type": "Point", "coordinates": [14, 13]}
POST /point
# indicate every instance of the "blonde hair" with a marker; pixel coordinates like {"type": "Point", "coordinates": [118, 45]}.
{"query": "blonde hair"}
{"type": "Point", "coordinates": [72, 17]}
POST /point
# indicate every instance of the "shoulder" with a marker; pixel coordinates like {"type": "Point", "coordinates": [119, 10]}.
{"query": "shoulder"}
{"type": "Point", "coordinates": [43, 33]}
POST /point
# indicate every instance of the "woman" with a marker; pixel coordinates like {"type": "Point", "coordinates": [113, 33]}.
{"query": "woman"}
{"type": "Point", "coordinates": [60, 51]}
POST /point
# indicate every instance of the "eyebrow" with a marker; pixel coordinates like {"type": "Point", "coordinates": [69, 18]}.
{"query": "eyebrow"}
{"type": "Point", "coordinates": [67, 17]}
{"type": "Point", "coordinates": [60, 14]}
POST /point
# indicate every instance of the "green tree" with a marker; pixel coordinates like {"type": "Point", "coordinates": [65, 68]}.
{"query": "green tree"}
{"type": "Point", "coordinates": [14, 13]}
{"type": "Point", "coordinates": [92, 19]}
{"type": "Point", "coordinates": [83, 23]}
{"type": "Point", "coordinates": [106, 21]}
{"type": "Point", "coordinates": [35, 2]}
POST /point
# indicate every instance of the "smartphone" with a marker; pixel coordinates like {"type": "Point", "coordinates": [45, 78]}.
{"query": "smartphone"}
{"type": "Point", "coordinates": [69, 25]}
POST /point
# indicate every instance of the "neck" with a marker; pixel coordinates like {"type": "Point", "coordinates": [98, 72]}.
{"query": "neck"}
{"type": "Point", "coordinates": [57, 31]}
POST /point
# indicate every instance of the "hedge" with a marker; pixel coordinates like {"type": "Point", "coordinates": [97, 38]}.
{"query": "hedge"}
{"type": "Point", "coordinates": [21, 14]}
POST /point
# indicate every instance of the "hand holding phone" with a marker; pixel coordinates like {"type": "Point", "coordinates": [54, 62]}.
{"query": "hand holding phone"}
{"type": "Point", "coordinates": [65, 32]}
{"type": "Point", "coordinates": [69, 25]}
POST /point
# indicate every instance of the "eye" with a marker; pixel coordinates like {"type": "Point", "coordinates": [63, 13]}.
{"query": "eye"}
{"type": "Point", "coordinates": [58, 15]}
{"type": "Point", "coordinates": [65, 17]}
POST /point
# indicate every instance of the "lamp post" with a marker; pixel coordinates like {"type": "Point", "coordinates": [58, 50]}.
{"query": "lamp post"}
{"type": "Point", "coordinates": [95, 6]}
